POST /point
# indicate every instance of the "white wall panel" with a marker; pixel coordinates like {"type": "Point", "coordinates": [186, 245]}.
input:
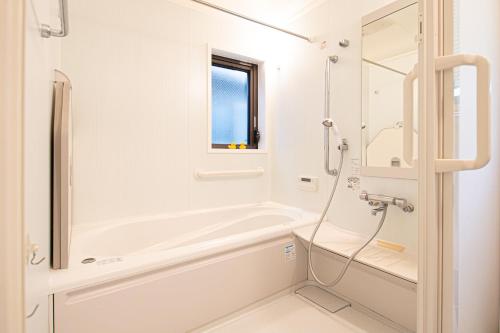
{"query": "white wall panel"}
{"type": "Point", "coordinates": [41, 58]}
{"type": "Point", "coordinates": [139, 73]}
{"type": "Point", "coordinates": [298, 139]}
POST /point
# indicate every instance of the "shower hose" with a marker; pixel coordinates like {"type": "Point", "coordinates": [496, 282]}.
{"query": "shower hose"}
{"type": "Point", "coordinates": [323, 214]}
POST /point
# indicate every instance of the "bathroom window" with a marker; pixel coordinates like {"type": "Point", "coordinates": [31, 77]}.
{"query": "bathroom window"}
{"type": "Point", "coordinates": [234, 104]}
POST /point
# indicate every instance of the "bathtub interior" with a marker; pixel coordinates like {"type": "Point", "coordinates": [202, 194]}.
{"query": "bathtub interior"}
{"type": "Point", "coordinates": [138, 237]}
{"type": "Point", "coordinates": [249, 224]}
{"type": "Point", "coordinates": [122, 238]}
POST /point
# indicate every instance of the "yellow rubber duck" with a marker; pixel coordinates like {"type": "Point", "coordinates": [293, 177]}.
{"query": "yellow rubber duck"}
{"type": "Point", "coordinates": [231, 146]}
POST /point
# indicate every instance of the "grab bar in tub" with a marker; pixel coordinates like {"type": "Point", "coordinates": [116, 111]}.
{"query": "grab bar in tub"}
{"type": "Point", "coordinates": [199, 174]}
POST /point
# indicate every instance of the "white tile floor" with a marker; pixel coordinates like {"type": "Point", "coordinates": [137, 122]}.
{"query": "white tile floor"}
{"type": "Point", "coordinates": [293, 314]}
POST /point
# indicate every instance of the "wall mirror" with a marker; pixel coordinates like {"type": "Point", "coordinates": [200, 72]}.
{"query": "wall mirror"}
{"type": "Point", "coordinates": [389, 53]}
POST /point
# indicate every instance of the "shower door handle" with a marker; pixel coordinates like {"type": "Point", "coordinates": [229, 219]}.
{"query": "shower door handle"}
{"type": "Point", "coordinates": [483, 109]}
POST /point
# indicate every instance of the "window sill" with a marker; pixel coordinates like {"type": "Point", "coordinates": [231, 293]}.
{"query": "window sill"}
{"type": "Point", "coordinates": [236, 151]}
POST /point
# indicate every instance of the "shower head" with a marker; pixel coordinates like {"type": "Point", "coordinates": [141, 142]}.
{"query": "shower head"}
{"type": "Point", "coordinates": [329, 123]}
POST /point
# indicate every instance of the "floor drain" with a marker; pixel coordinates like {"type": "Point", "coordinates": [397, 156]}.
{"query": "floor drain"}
{"type": "Point", "coordinates": [88, 260]}
{"type": "Point", "coordinates": [323, 298]}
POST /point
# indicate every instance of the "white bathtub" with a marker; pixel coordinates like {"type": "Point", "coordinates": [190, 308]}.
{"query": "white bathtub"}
{"type": "Point", "coordinates": [127, 247]}
{"type": "Point", "coordinates": [176, 273]}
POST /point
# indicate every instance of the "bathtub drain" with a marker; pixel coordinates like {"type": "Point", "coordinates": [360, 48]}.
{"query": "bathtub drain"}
{"type": "Point", "coordinates": [88, 260]}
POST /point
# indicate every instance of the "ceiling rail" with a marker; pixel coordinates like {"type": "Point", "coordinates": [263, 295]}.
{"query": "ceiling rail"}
{"type": "Point", "coordinates": [225, 10]}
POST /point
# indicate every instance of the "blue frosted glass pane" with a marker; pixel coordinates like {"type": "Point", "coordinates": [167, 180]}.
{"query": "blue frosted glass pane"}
{"type": "Point", "coordinates": [229, 106]}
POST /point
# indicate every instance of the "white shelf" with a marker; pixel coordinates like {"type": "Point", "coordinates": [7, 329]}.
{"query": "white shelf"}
{"type": "Point", "coordinates": [344, 243]}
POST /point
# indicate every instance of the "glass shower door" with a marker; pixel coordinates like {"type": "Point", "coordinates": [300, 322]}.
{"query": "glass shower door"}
{"type": "Point", "coordinates": [459, 176]}
{"type": "Point", "coordinates": [471, 197]}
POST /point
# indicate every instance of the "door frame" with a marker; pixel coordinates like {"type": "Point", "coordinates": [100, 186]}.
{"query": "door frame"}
{"type": "Point", "coordinates": [447, 187]}
{"type": "Point", "coordinates": [12, 245]}
{"type": "Point", "coordinates": [429, 287]}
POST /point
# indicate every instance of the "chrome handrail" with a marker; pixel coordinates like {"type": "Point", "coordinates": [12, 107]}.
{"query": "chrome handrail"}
{"type": "Point", "coordinates": [48, 32]}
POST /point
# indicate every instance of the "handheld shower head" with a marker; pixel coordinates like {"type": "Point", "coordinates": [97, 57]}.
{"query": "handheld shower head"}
{"type": "Point", "coordinates": [328, 123]}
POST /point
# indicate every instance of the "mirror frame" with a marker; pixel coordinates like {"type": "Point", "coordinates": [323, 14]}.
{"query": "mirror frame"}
{"type": "Point", "coordinates": [386, 172]}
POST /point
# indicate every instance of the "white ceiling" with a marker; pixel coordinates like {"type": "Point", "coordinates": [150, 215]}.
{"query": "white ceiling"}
{"type": "Point", "coordinates": [277, 12]}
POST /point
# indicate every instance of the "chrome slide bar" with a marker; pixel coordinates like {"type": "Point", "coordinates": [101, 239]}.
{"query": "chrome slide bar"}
{"type": "Point", "coordinates": [48, 32]}
{"type": "Point", "coordinates": [227, 11]}
{"type": "Point", "coordinates": [327, 121]}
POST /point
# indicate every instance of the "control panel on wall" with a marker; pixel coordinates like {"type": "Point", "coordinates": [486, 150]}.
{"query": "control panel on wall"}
{"type": "Point", "coordinates": [308, 183]}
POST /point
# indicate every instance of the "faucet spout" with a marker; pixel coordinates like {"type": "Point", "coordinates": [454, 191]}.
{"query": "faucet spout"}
{"type": "Point", "coordinates": [380, 209]}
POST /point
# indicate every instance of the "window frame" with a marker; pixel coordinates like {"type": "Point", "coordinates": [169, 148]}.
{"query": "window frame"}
{"type": "Point", "coordinates": [253, 115]}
